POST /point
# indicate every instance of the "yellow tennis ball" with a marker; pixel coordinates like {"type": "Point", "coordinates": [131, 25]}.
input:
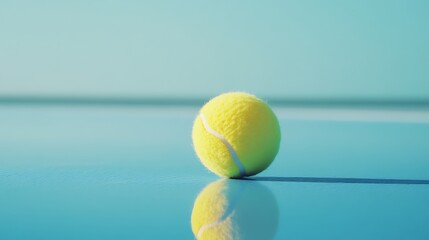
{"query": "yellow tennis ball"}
{"type": "Point", "coordinates": [235, 210]}
{"type": "Point", "coordinates": [236, 135]}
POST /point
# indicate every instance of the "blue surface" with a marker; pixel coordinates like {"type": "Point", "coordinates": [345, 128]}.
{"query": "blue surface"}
{"type": "Point", "coordinates": [131, 173]}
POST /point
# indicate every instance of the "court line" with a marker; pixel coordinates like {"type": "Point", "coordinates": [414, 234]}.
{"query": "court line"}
{"type": "Point", "coordinates": [354, 115]}
{"type": "Point", "coordinates": [177, 100]}
{"type": "Point", "coordinates": [340, 180]}
{"type": "Point", "coordinates": [353, 110]}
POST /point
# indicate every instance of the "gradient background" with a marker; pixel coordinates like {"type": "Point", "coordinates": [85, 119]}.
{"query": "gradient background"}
{"type": "Point", "coordinates": [292, 50]}
{"type": "Point", "coordinates": [98, 99]}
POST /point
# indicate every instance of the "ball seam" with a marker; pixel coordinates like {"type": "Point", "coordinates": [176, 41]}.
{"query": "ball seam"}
{"type": "Point", "coordinates": [227, 144]}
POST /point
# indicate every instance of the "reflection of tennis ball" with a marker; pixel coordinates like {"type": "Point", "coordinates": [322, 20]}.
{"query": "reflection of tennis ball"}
{"type": "Point", "coordinates": [234, 209]}
{"type": "Point", "coordinates": [236, 135]}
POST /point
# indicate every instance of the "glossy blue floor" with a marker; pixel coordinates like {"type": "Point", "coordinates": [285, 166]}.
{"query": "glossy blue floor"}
{"type": "Point", "coordinates": [131, 173]}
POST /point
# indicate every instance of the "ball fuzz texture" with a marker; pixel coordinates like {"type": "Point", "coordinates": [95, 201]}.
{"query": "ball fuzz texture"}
{"type": "Point", "coordinates": [236, 135]}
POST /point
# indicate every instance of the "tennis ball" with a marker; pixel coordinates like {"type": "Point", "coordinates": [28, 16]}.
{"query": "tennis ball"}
{"type": "Point", "coordinates": [236, 135]}
{"type": "Point", "coordinates": [233, 210]}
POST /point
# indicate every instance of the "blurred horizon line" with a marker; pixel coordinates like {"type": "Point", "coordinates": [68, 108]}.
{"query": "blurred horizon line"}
{"type": "Point", "coordinates": [198, 101]}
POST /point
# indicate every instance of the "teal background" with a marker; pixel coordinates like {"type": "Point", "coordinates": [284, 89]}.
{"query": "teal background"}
{"type": "Point", "coordinates": [306, 49]}
{"type": "Point", "coordinates": [98, 98]}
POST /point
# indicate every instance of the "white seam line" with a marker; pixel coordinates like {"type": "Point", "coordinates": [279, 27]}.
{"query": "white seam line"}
{"type": "Point", "coordinates": [213, 224]}
{"type": "Point", "coordinates": [231, 206]}
{"type": "Point", "coordinates": [207, 226]}
{"type": "Point", "coordinates": [230, 148]}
